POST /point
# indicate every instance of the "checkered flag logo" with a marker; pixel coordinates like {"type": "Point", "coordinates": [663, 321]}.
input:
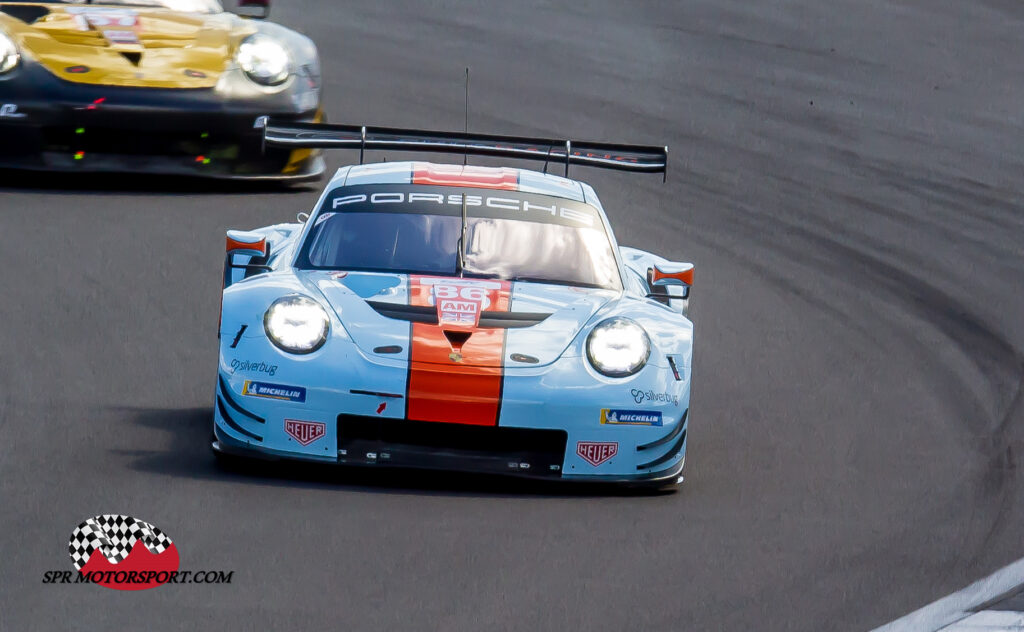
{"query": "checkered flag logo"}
{"type": "Point", "coordinates": [114, 536]}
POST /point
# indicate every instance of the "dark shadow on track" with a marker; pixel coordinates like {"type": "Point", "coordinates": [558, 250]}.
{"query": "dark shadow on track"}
{"type": "Point", "coordinates": [138, 184]}
{"type": "Point", "coordinates": [189, 455]}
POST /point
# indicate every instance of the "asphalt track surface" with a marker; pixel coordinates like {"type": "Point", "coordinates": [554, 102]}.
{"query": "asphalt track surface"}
{"type": "Point", "coordinates": [846, 176]}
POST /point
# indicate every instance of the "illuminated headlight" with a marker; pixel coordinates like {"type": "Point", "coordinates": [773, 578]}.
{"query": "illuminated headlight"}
{"type": "Point", "coordinates": [618, 347]}
{"type": "Point", "coordinates": [296, 324]}
{"type": "Point", "coordinates": [9, 55]}
{"type": "Point", "coordinates": [264, 60]}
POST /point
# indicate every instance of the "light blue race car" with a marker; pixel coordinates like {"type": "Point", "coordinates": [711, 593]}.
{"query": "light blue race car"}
{"type": "Point", "coordinates": [456, 317]}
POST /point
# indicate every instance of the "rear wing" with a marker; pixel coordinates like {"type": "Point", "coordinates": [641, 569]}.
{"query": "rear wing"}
{"type": "Point", "coordinates": [641, 158]}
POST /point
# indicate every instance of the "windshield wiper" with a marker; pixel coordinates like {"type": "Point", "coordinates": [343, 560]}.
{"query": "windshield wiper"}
{"type": "Point", "coordinates": [460, 260]}
{"type": "Point", "coordinates": [549, 281]}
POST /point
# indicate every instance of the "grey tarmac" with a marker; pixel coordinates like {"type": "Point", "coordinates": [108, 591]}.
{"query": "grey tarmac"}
{"type": "Point", "coordinates": [845, 175]}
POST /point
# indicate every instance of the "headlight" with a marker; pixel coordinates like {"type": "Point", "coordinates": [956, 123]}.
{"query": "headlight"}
{"type": "Point", "coordinates": [263, 60]}
{"type": "Point", "coordinates": [9, 54]}
{"type": "Point", "coordinates": [618, 347]}
{"type": "Point", "coordinates": [296, 324]}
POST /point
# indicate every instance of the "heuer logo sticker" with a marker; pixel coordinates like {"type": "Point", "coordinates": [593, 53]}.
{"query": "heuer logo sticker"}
{"type": "Point", "coordinates": [631, 417]}
{"type": "Point", "coordinates": [305, 432]}
{"type": "Point", "coordinates": [596, 452]}
{"type": "Point", "coordinates": [117, 551]}
{"type": "Point", "coordinates": [274, 391]}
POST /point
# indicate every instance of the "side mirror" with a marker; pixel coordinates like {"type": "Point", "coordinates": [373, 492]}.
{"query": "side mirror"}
{"type": "Point", "coordinates": [680, 274]}
{"type": "Point", "coordinates": [664, 278]}
{"type": "Point", "coordinates": [254, 9]}
{"type": "Point", "coordinates": [243, 242]}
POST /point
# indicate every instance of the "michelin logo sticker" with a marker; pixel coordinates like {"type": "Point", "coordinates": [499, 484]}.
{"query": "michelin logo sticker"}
{"type": "Point", "coordinates": [274, 391]}
{"type": "Point", "coordinates": [631, 417]}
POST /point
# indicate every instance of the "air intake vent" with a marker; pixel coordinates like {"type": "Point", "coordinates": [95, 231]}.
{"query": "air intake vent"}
{"type": "Point", "coordinates": [134, 58]}
{"type": "Point", "coordinates": [28, 13]}
{"type": "Point", "coordinates": [428, 314]}
{"type": "Point", "coordinates": [404, 443]}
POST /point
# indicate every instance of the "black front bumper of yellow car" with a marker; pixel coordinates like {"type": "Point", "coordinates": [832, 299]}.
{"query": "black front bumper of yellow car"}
{"type": "Point", "coordinates": [50, 124]}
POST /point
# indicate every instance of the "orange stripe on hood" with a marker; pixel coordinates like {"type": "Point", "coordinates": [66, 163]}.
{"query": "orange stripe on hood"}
{"type": "Point", "coordinates": [453, 378]}
{"type": "Point", "coordinates": [466, 176]}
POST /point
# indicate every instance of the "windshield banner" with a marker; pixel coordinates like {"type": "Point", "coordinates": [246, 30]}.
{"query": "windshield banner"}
{"type": "Point", "coordinates": [442, 200]}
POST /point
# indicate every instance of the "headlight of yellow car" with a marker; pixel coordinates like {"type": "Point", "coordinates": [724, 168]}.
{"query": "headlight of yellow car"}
{"type": "Point", "coordinates": [264, 60]}
{"type": "Point", "coordinates": [9, 55]}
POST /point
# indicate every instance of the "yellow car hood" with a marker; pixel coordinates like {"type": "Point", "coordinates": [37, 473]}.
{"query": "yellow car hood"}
{"type": "Point", "coordinates": [129, 46]}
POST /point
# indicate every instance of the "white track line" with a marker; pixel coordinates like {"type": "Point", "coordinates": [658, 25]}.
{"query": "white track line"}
{"type": "Point", "coordinates": [958, 606]}
{"type": "Point", "coordinates": [989, 621]}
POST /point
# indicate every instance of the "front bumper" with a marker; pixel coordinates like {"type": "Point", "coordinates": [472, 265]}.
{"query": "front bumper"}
{"type": "Point", "coordinates": [445, 460]}
{"type": "Point", "coordinates": [55, 125]}
{"type": "Point", "coordinates": [547, 414]}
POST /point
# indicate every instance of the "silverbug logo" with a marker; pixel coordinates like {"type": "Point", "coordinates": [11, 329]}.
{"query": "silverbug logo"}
{"type": "Point", "coordinates": [123, 553]}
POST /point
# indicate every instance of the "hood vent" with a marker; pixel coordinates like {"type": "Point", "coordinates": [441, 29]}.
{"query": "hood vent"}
{"type": "Point", "coordinates": [428, 314]}
{"type": "Point", "coordinates": [134, 58]}
{"type": "Point", "coordinates": [457, 338]}
{"type": "Point", "coordinates": [26, 13]}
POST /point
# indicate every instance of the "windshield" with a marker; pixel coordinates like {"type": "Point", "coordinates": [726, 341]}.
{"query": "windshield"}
{"type": "Point", "coordinates": [185, 6]}
{"type": "Point", "coordinates": [372, 230]}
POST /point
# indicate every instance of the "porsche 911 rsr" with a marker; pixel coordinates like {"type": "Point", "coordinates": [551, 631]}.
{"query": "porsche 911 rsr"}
{"type": "Point", "coordinates": [155, 86]}
{"type": "Point", "coordinates": [456, 317]}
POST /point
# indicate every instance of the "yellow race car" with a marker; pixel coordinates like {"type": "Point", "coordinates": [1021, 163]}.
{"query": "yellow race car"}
{"type": "Point", "coordinates": [154, 86]}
